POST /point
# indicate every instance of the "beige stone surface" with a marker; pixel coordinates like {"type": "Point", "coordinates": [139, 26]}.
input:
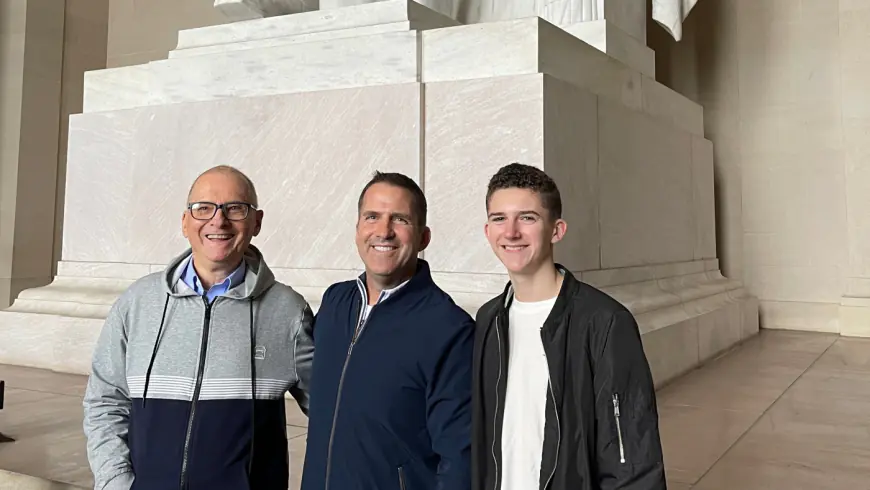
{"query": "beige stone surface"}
{"type": "Point", "coordinates": [140, 31]}
{"type": "Point", "coordinates": [646, 189]}
{"type": "Point", "coordinates": [86, 24]}
{"type": "Point", "coordinates": [32, 47]}
{"type": "Point", "coordinates": [782, 85]}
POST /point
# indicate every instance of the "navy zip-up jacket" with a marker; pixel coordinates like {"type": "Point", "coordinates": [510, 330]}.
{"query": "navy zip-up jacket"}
{"type": "Point", "coordinates": [390, 405]}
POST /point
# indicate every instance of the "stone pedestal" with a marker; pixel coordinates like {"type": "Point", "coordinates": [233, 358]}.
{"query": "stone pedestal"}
{"type": "Point", "coordinates": [309, 105]}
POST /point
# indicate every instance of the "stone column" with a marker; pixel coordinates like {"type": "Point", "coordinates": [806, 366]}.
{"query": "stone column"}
{"type": "Point", "coordinates": [45, 48]}
{"type": "Point", "coordinates": [31, 60]}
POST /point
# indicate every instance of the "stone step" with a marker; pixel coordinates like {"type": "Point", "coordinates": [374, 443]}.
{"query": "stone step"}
{"type": "Point", "coordinates": [495, 49]}
{"type": "Point", "coordinates": [376, 18]}
{"type": "Point", "coordinates": [534, 45]}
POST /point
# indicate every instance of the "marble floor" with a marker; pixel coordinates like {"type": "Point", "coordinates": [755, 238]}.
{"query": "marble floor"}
{"type": "Point", "coordinates": [786, 410]}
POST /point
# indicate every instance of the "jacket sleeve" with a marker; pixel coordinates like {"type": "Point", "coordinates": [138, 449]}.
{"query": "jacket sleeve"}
{"type": "Point", "coordinates": [107, 407]}
{"type": "Point", "coordinates": [629, 452]}
{"type": "Point", "coordinates": [303, 353]}
{"type": "Point", "coordinates": [449, 409]}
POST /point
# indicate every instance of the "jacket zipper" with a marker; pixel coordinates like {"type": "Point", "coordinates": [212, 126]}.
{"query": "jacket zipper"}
{"type": "Point", "coordinates": [356, 334]}
{"type": "Point", "coordinates": [402, 479]}
{"type": "Point", "coordinates": [556, 412]}
{"type": "Point", "coordinates": [202, 352]}
{"type": "Point", "coordinates": [618, 427]}
{"type": "Point", "coordinates": [495, 416]}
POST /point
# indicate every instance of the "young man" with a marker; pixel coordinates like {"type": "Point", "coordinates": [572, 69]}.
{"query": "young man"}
{"type": "Point", "coordinates": [190, 370]}
{"type": "Point", "coordinates": [391, 386]}
{"type": "Point", "coordinates": [563, 397]}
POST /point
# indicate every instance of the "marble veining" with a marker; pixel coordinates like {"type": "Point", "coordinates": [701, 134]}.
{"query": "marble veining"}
{"type": "Point", "coordinates": [472, 128]}
{"type": "Point", "coordinates": [309, 154]}
{"type": "Point", "coordinates": [317, 21]}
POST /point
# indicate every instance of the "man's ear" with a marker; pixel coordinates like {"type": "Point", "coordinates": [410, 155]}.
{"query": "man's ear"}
{"type": "Point", "coordinates": [425, 238]}
{"type": "Point", "coordinates": [559, 230]}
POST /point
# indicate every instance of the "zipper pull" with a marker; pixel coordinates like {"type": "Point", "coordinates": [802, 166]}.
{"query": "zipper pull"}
{"type": "Point", "coordinates": [618, 428]}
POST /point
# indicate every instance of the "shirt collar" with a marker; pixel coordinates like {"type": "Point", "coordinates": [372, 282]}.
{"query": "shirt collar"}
{"type": "Point", "coordinates": [191, 279]}
{"type": "Point", "coordinates": [386, 293]}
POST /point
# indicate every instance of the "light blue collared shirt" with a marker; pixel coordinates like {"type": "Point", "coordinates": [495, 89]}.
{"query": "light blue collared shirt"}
{"type": "Point", "coordinates": [192, 280]}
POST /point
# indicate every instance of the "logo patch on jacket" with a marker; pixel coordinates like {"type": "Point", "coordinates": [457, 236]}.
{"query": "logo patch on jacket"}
{"type": "Point", "coordinates": [260, 352]}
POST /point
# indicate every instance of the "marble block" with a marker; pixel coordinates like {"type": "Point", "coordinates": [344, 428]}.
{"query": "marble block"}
{"type": "Point", "coordinates": [237, 10]}
{"type": "Point", "coordinates": [605, 36]}
{"type": "Point", "coordinates": [473, 127]}
{"type": "Point", "coordinates": [645, 174]}
{"type": "Point", "coordinates": [378, 59]}
{"type": "Point", "coordinates": [309, 155]}
{"type": "Point", "coordinates": [384, 16]}
{"type": "Point", "coordinates": [264, 57]}
{"type": "Point", "coordinates": [534, 45]}
{"type": "Point", "coordinates": [670, 106]}
{"type": "Point", "coordinates": [454, 9]}
{"type": "Point", "coordinates": [527, 46]}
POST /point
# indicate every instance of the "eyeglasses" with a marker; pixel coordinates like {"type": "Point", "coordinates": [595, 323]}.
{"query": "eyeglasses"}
{"type": "Point", "coordinates": [233, 211]}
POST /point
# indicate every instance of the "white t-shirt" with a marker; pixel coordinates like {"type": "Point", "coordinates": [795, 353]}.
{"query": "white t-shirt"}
{"type": "Point", "coordinates": [522, 440]}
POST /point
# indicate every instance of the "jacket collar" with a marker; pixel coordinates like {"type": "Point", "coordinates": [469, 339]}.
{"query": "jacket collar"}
{"type": "Point", "coordinates": [569, 288]}
{"type": "Point", "coordinates": [420, 281]}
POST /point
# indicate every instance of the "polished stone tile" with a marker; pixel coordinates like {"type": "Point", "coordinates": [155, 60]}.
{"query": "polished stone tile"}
{"type": "Point", "coordinates": [49, 441]}
{"type": "Point", "coordinates": [847, 354]}
{"type": "Point", "coordinates": [752, 377]}
{"type": "Point", "coordinates": [678, 486]}
{"type": "Point", "coordinates": [814, 437]}
{"type": "Point", "coordinates": [694, 438]}
{"type": "Point", "coordinates": [42, 380]}
{"type": "Point", "coordinates": [295, 417]}
{"type": "Point", "coordinates": [297, 458]}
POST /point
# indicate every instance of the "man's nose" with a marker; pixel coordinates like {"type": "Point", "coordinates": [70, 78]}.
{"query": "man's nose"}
{"type": "Point", "coordinates": [512, 230]}
{"type": "Point", "coordinates": [385, 228]}
{"type": "Point", "coordinates": [219, 218]}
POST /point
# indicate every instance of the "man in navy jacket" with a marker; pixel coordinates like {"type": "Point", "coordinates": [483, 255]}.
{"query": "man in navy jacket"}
{"type": "Point", "coordinates": [391, 382]}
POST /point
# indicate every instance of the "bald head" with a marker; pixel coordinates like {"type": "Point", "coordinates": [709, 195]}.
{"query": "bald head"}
{"type": "Point", "coordinates": [243, 180]}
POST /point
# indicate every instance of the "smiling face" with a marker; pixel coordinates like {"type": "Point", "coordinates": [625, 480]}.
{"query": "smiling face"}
{"type": "Point", "coordinates": [388, 235]}
{"type": "Point", "coordinates": [521, 232]}
{"type": "Point", "coordinates": [219, 243]}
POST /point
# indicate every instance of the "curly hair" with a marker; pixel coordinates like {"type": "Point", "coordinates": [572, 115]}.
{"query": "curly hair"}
{"type": "Point", "coordinates": [519, 176]}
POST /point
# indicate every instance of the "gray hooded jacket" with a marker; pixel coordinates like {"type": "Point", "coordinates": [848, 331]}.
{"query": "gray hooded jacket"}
{"type": "Point", "coordinates": [187, 394]}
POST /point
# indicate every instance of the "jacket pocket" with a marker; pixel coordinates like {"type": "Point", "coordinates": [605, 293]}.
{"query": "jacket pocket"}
{"type": "Point", "coordinates": [618, 428]}
{"type": "Point", "coordinates": [402, 479]}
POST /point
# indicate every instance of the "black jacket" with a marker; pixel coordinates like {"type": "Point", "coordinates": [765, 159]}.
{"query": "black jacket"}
{"type": "Point", "coordinates": [601, 430]}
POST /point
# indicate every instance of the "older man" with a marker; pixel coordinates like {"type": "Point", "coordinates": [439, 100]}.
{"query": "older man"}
{"type": "Point", "coordinates": [190, 370]}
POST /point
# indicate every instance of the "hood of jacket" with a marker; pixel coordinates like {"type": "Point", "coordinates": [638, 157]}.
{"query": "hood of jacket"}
{"type": "Point", "coordinates": [258, 277]}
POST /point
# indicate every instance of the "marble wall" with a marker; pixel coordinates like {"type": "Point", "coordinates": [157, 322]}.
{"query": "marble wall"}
{"type": "Point", "coordinates": [783, 85]}
{"type": "Point", "coordinates": [309, 155]}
